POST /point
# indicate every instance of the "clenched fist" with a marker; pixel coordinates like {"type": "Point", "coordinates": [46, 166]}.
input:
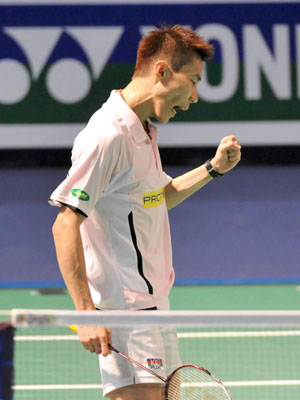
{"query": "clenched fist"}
{"type": "Point", "coordinates": [228, 154]}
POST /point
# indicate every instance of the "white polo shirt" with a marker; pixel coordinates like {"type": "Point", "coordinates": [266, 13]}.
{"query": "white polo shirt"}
{"type": "Point", "coordinates": [117, 180]}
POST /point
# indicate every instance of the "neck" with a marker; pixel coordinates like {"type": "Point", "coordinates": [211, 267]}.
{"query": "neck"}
{"type": "Point", "coordinates": [138, 96]}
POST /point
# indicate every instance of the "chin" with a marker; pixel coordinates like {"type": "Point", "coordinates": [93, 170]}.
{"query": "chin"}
{"type": "Point", "coordinates": [163, 119]}
{"type": "Point", "coordinates": [163, 116]}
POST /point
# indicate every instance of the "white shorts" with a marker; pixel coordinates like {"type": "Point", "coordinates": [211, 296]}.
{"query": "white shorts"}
{"type": "Point", "coordinates": [156, 348]}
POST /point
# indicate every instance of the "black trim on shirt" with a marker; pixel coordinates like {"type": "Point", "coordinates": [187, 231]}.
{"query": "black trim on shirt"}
{"type": "Point", "coordinates": [77, 210]}
{"type": "Point", "coordinates": [138, 253]}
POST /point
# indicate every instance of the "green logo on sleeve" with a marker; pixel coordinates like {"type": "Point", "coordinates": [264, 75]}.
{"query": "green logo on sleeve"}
{"type": "Point", "coordinates": [80, 194]}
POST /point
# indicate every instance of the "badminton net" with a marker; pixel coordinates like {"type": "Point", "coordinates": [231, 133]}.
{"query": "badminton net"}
{"type": "Point", "coordinates": [255, 353]}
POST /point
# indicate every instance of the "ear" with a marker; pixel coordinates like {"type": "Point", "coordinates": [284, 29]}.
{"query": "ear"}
{"type": "Point", "coordinates": [162, 71]}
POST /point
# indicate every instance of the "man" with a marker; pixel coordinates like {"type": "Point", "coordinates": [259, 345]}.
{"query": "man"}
{"type": "Point", "coordinates": [112, 232]}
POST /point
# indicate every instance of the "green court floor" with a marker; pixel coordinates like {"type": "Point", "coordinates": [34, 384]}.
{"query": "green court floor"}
{"type": "Point", "coordinates": [235, 297]}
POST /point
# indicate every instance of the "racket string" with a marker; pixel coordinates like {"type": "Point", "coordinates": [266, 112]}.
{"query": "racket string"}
{"type": "Point", "coordinates": [192, 383]}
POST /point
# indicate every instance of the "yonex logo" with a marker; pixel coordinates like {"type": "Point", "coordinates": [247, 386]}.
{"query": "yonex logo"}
{"type": "Point", "coordinates": [57, 67]}
{"type": "Point", "coordinates": [66, 55]}
{"type": "Point", "coordinates": [153, 199]}
{"type": "Point", "coordinates": [72, 58]}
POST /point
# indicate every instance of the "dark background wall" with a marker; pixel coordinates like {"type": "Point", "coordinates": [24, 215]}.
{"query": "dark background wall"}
{"type": "Point", "coordinates": [243, 228]}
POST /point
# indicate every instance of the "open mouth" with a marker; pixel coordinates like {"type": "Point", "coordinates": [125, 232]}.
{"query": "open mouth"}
{"type": "Point", "coordinates": [175, 109]}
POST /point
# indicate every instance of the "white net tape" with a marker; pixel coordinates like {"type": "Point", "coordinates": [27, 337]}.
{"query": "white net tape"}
{"type": "Point", "coordinates": [201, 319]}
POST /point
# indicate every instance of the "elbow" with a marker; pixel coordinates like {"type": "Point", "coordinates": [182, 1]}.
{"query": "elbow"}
{"type": "Point", "coordinates": [60, 225]}
{"type": "Point", "coordinates": [57, 229]}
{"type": "Point", "coordinates": [66, 221]}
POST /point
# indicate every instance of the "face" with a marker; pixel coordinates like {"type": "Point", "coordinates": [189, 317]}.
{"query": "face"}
{"type": "Point", "coordinates": [176, 90]}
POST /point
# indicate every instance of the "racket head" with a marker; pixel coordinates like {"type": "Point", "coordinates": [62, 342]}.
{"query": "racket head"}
{"type": "Point", "coordinates": [192, 382]}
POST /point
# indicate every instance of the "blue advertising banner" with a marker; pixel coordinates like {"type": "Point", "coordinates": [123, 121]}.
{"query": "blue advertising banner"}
{"type": "Point", "coordinates": [59, 62]}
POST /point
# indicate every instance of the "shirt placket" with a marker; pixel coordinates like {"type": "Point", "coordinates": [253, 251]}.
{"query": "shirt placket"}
{"type": "Point", "coordinates": [154, 149]}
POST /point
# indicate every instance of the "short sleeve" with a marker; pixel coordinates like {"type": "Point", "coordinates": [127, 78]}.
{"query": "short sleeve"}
{"type": "Point", "coordinates": [94, 163]}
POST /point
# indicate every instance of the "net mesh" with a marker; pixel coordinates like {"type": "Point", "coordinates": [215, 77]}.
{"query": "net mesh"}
{"type": "Point", "coordinates": [194, 383]}
{"type": "Point", "coordinates": [255, 354]}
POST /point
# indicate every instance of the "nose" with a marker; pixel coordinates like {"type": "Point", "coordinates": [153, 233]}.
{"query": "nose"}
{"type": "Point", "coordinates": [194, 97]}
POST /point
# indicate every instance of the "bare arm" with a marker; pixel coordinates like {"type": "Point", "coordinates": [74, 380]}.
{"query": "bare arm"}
{"type": "Point", "coordinates": [185, 185]}
{"type": "Point", "coordinates": [70, 256]}
{"type": "Point", "coordinates": [227, 157]}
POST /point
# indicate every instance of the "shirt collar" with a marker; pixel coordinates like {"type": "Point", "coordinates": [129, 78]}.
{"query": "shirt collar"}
{"type": "Point", "coordinates": [131, 120]}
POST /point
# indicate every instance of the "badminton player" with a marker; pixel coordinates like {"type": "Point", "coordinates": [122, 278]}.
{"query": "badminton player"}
{"type": "Point", "coordinates": [112, 231]}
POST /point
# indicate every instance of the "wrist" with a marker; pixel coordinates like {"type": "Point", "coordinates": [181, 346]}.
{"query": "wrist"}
{"type": "Point", "coordinates": [84, 303]}
{"type": "Point", "coordinates": [212, 169]}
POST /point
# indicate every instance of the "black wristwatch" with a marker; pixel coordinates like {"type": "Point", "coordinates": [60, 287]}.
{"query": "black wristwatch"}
{"type": "Point", "coordinates": [212, 171]}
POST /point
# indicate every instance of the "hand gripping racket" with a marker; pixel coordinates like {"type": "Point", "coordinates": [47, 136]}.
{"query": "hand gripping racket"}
{"type": "Point", "coordinates": [187, 382]}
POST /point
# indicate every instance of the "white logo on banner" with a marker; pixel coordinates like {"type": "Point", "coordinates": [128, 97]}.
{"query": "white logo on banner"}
{"type": "Point", "coordinates": [68, 80]}
{"type": "Point", "coordinates": [258, 60]}
{"type": "Point", "coordinates": [276, 65]}
{"type": "Point", "coordinates": [230, 64]}
{"type": "Point", "coordinates": [14, 81]}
